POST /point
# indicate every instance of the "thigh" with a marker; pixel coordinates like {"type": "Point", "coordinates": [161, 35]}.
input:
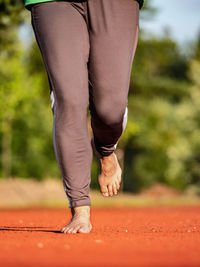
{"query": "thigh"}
{"type": "Point", "coordinates": [62, 36]}
{"type": "Point", "coordinates": [113, 30]}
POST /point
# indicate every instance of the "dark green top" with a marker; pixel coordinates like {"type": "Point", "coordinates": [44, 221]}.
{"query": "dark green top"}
{"type": "Point", "coordinates": [28, 2]}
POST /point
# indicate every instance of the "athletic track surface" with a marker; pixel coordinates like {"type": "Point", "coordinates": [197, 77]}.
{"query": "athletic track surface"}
{"type": "Point", "coordinates": [147, 236]}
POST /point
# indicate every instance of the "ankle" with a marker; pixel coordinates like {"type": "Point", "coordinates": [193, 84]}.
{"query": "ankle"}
{"type": "Point", "coordinates": [108, 160]}
{"type": "Point", "coordinates": [81, 210]}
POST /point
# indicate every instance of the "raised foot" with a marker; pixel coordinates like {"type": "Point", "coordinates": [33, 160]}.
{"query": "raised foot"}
{"type": "Point", "coordinates": [80, 221]}
{"type": "Point", "coordinates": [109, 177]}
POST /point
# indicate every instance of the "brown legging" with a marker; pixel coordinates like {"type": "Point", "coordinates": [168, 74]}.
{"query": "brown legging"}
{"type": "Point", "coordinates": [88, 49]}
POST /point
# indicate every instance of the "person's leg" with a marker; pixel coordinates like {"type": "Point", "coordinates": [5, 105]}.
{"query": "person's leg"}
{"type": "Point", "coordinates": [62, 36]}
{"type": "Point", "coordinates": [113, 31]}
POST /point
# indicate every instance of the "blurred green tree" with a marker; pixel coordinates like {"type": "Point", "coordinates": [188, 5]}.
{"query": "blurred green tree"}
{"type": "Point", "coordinates": [163, 117]}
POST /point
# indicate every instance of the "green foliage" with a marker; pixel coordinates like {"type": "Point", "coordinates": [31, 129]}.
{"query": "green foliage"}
{"type": "Point", "coordinates": [11, 16]}
{"type": "Point", "coordinates": [26, 119]}
{"type": "Point", "coordinates": [164, 109]}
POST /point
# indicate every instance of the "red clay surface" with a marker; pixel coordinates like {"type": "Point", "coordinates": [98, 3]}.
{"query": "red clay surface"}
{"type": "Point", "coordinates": [154, 236]}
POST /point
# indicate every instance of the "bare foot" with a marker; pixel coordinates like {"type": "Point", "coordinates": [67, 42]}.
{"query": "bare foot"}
{"type": "Point", "coordinates": [80, 221]}
{"type": "Point", "coordinates": [110, 173]}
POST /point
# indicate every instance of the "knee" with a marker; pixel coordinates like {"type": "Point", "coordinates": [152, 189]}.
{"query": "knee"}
{"type": "Point", "coordinates": [110, 101]}
{"type": "Point", "coordinates": [112, 114]}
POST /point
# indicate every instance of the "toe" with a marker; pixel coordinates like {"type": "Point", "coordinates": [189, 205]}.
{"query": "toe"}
{"type": "Point", "coordinates": [117, 185]}
{"type": "Point", "coordinates": [70, 230]}
{"type": "Point", "coordinates": [104, 191]}
{"type": "Point", "coordinates": [66, 230]}
{"type": "Point", "coordinates": [114, 189]}
{"type": "Point", "coordinates": [110, 190]}
{"type": "Point", "coordinates": [75, 230]}
{"type": "Point", "coordinates": [62, 230]}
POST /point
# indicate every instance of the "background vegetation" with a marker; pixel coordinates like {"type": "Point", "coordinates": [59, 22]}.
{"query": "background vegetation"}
{"type": "Point", "coordinates": [161, 142]}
